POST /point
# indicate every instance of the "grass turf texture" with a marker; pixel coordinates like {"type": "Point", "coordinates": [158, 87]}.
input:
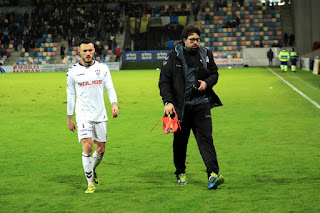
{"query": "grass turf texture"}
{"type": "Point", "coordinates": [267, 142]}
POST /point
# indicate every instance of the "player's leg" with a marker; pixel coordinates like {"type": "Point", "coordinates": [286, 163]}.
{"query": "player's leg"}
{"type": "Point", "coordinates": [98, 153]}
{"type": "Point", "coordinates": [97, 157]}
{"type": "Point", "coordinates": [85, 137]}
{"type": "Point", "coordinates": [100, 137]}
{"type": "Point", "coordinates": [87, 159]}
{"type": "Point", "coordinates": [87, 163]}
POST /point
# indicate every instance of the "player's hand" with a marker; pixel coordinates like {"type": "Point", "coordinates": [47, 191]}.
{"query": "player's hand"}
{"type": "Point", "coordinates": [169, 109]}
{"type": "Point", "coordinates": [203, 85]}
{"type": "Point", "coordinates": [115, 110]}
{"type": "Point", "coordinates": [71, 125]}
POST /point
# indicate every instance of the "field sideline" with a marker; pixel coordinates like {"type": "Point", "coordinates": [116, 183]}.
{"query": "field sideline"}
{"type": "Point", "coordinates": [266, 136]}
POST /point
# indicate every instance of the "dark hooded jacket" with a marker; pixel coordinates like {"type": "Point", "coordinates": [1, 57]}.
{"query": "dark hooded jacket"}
{"type": "Point", "coordinates": [173, 82]}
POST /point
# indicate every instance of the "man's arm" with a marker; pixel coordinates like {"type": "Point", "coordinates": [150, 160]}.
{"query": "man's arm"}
{"type": "Point", "coordinates": [165, 85]}
{"type": "Point", "coordinates": [111, 93]}
{"type": "Point", "coordinates": [71, 99]}
{"type": "Point", "coordinates": [213, 69]}
{"type": "Point", "coordinates": [166, 81]}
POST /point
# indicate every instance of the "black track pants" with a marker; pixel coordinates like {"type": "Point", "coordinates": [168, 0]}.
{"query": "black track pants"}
{"type": "Point", "coordinates": [197, 118]}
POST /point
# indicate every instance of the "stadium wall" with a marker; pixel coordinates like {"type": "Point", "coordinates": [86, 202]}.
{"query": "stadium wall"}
{"type": "Point", "coordinates": [307, 29]}
{"type": "Point", "coordinates": [256, 57]}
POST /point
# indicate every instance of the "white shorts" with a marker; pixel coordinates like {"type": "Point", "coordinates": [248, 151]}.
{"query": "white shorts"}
{"type": "Point", "coordinates": [95, 130]}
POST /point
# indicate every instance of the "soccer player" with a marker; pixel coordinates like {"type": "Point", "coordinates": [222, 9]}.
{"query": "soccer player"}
{"type": "Point", "coordinates": [86, 81]}
{"type": "Point", "coordinates": [186, 80]}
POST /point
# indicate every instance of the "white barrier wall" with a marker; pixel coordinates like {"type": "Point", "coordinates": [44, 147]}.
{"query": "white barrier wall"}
{"type": "Point", "coordinates": [316, 66]}
{"type": "Point", "coordinates": [305, 64]}
{"type": "Point", "coordinates": [258, 56]}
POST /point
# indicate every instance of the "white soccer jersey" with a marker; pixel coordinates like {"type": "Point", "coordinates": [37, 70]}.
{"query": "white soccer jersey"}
{"type": "Point", "coordinates": [85, 84]}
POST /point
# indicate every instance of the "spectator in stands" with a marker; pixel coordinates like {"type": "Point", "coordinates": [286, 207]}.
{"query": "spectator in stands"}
{"type": "Point", "coordinates": [237, 21]}
{"type": "Point", "coordinates": [62, 49]}
{"type": "Point", "coordinates": [5, 40]}
{"type": "Point", "coordinates": [191, 100]}
{"type": "Point", "coordinates": [195, 12]}
{"type": "Point", "coordinates": [32, 46]}
{"type": "Point", "coordinates": [270, 57]}
{"type": "Point", "coordinates": [118, 54]}
{"type": "Point", "coordinates": [261, 43]}
{"type": "Point", "coordinates": [217, 3]}
{"type": "Point", "coordinates": [234, 3]}
{"type": "Point", "coordinates": [207, 17]}
{"type": "Point", "coordinates": [69, 40]}
{"type": "Point", "coordinates": [224, 4]}
{"type": "Point", "coordinates": [2, 52]}
{"type": "Point", "coordinates": [114, 46]}
{"type": "Point", "coordinates": [121, 26]}
{"type": "Point", "coordinates": [26, 45]}
{"type": "Point", "coordinates": [16, 42]}
{"type": "Point", "coordinates": [99, 48]}
{"type": "Point", "coordinates": [252, 44]}
{"type": "Point", "coordinates": [227, 24]}
{"type": "Point", "coordinates": [128, 47]}
{"type": "Point", "coordinates": [275, 44]}
{"type": "Point", "coordinates": [315, 46]}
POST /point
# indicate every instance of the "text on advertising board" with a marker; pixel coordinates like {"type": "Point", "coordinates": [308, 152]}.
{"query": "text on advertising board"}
{"type": "Point", "coordinates": [26, 68]}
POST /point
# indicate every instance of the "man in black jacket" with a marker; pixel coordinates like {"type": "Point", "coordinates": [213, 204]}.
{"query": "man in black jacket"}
{"type": "Point", "coordinates": [270, 57]}
{"type": "Point", "coordinates": [186, 80]}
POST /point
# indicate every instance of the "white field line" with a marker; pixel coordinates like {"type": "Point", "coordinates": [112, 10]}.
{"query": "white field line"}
{"type": "Point", "coordinates": [295, 89]}
{"type": "Point", "coordinates": [310, 85]}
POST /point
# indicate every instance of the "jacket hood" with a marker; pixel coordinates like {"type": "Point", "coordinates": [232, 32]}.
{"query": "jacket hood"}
{"type": "Point", "coordinates": [179, 49]}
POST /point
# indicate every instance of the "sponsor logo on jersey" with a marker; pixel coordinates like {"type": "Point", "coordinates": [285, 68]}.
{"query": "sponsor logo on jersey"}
{"type": "Point", "coordinates": [87, 83]}
{"type": "Point", "coordinates": [85, 130]}
{"type": "Point", "coordinates": [98, 72]}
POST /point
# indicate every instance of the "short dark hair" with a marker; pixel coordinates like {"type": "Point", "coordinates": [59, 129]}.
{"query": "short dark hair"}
{"type": "Point", "coordinates": [188, 30]}
{"type": "Point", "coordinates": [86, 41]}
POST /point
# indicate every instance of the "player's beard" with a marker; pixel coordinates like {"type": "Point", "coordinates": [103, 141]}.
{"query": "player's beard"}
{"type": "Point", "coordinates": [192, 48]}
{"type": "Point", "coordinates": [88, 60]}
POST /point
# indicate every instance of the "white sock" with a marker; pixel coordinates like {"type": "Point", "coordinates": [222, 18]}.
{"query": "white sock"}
{"type": "Point", "coordinates": [96, 158]}
{"type": "Point", "coordinates": [88, 167]}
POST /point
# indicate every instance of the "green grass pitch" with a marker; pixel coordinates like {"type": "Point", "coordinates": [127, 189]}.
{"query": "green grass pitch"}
{"type": "Point", "coordinates": [266, 137]}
